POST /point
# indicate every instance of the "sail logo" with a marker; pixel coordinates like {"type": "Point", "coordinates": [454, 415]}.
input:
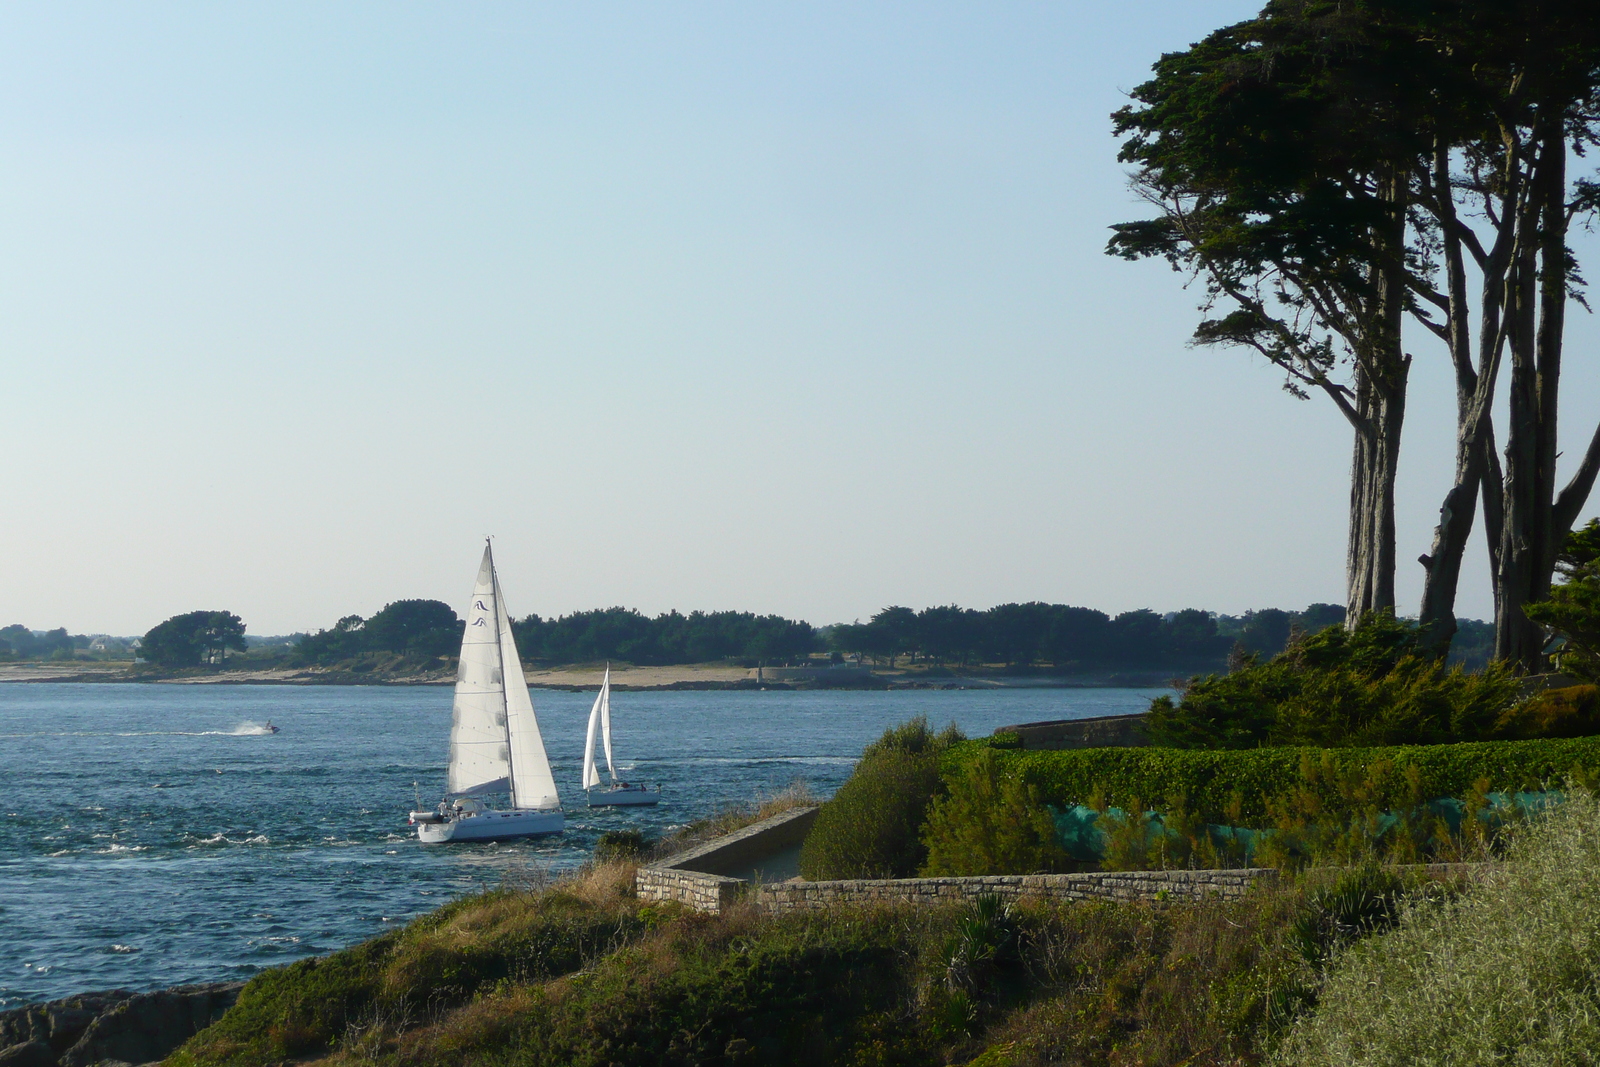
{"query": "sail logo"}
{"type": "Point", "coordinates": [480, 605]}
{"type": "Point", "coordinates": [480, 621]}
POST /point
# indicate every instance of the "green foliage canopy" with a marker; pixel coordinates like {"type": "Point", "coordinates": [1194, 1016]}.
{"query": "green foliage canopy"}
{"type": "Point", "coordinates": [872, 826]}
{"type": "Point", "coordinates": [1572, 612]}
{"type": "Point", "coordinates": [1370, 686]}
{"type": "Point", "coordinates": [190, 639]}
{"type": "Point", "coordinates": [417, 629]}
{"type": "Point", "coordinates": [19, 641]}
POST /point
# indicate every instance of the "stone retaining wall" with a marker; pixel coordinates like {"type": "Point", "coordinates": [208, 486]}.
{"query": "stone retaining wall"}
{"type": "Point", "coordinates": [703, 892]}
{"type": "Point", "coordinates": [1177, 886]}
{"type": "Point", "coordinates": [711, 876]}
{"type": "Point", "coordinates": [714, 893]}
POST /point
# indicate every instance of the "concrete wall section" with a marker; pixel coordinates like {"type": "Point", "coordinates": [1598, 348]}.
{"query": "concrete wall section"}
{"type": "Point", "coordinates": [1104, 731]}
{"type": "Point", "coordinates": [768, 850]}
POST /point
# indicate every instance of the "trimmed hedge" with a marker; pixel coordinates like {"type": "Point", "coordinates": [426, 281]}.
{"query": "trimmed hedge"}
{"type": "Point", "coordinates": [1238, 782]}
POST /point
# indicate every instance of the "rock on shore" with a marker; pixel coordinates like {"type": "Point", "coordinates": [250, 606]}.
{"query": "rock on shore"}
{"type": "Point", "coordinates": [112, 1028]}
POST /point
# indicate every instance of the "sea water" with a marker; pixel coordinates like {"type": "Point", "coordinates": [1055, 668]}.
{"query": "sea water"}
{"type": "Point", "coordinates": [153, 835]}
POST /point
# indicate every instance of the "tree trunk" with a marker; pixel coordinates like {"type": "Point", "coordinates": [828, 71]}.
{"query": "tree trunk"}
{"type": "Point", "coordinates": [1380, 387]}
{"type": "Point", "coordinates": [1475, 388]}
{"type": "Point", "coordinates": [1371, 553]}
{"type": "Point", "coordinates": [1527, 537]}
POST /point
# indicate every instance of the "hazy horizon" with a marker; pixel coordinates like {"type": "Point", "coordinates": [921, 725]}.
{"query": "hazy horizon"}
{"type": "Point", "coordinates": [791, 310]}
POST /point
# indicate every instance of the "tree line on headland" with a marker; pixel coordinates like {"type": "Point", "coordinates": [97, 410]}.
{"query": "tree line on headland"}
{"type": "Point", "coordinates": [1015, 636]}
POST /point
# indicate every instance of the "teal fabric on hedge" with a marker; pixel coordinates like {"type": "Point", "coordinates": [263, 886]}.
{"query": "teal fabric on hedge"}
{"type": "Point", "coordinates": [1080, 833]}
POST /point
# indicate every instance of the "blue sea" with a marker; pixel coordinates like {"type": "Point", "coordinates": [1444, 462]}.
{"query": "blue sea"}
{"type": "Point", "coordinates": [153, 835]}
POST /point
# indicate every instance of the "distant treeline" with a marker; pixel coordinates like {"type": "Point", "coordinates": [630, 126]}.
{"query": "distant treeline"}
{"type": "Point", "coordinates": [1072, 638]}
{"type": "Point", "coordinates": [699, 637]}
{"type": "Point", "coordinates": [423, 629]}
{"type": "Point", "coordinates": [19, 642]}
{"type": "Point", "coordinates": [1017, 636]}
{"type": "Point", "coordinates": [1014, 635]}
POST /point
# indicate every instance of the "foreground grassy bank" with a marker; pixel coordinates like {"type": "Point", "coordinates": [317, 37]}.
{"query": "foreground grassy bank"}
{"type": "Point", "coordinates": [1373, 965]}
{"type": "Point", "coordinates": [1363, 966]}
{"type": "Point", "coordinates": [582, 973]}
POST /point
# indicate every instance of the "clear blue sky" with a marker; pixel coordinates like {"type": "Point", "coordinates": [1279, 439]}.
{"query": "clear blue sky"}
{"type": "Point", "coordinates": [795, 309]}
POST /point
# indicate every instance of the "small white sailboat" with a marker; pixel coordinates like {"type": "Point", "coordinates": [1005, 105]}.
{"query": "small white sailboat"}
{"type": "Point", "coordinates": [618, 793]}
{"type": "Point", "coordinates": [495, 745]}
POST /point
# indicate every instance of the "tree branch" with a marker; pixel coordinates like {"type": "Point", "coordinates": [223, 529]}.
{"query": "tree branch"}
{"type": "Point", "coordinates": [1571, 500]}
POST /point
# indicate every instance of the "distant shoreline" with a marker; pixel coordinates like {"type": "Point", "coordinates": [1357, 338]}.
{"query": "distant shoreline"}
{"type": "Point", "coordinates": [689, 677]}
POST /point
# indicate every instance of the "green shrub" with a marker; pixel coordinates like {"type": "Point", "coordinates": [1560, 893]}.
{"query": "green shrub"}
{"type": "Point", "coordinates": [1573, 711]}
{"type": "Point", "coordinates": [990, 823]}
{"type": "Point", "coordinates": [1370, 686]}
{"type": "Point", "coordinates": [1237, 785]}
{"type": "Point", "coordinates": [616, 845]}
{"type": "Point", "coordinates": [872, 826]}
{"type": "Point", "coordinates": [1573, 611]}
{"type": "Point", "coordinates": [1506, 973]}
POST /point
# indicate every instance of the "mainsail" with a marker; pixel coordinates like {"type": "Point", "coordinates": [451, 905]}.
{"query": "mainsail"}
{"type": "Point", "coordinates": [495, 745]}
{"type": "Point", "coordinates": [599, 717]}
{"type": "Point", "coordinates": [533, 786]}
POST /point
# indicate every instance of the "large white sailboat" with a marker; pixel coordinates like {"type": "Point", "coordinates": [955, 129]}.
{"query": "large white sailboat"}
{"type": "Point", "coordinates": [495, 746]}
{"type": "Point", "coordinates": [618, 793]}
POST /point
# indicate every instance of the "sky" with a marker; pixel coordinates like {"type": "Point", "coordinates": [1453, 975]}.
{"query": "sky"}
{"type": "Point", "coordinates": [799, 309]}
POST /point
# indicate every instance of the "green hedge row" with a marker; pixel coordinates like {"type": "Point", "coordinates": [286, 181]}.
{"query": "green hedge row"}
{"type": "Point", "coordinates": [1238, 782]}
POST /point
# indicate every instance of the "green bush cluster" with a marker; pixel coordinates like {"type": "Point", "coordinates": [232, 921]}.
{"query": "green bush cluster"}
{"type": "Point", "coordinates": [1370, 686]}
{"type": "Point", "coordinates": [1572, 613]}
{"type": "Point", "coordinates": [990, 823]}
{"type": "Point", "coordinates": [872, 827]}
{"type": "Point", "coordinates": [1240, 784]}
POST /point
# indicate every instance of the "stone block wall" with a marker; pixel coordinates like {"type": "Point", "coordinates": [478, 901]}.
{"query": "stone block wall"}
{"type": "Point", "coordinates": [1176, 886]}
{"type": "Point", "coordinates": [711, 876]}
{"type": "Point", "coordinates": [710, 893]}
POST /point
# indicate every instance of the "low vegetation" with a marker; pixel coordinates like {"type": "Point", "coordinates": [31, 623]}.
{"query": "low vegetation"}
{"type": "Point", "coordinates": [1506, 973]}
{"type": "Point", "coordinates": [582, 973]}
{"type": "Point", "coordinates": [872, 827]}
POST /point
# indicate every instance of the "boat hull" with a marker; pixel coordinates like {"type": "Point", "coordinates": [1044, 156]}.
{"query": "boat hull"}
{"type": "Point", "coordinates": [628, 797]}
{"type": "Point", "coordinates": [492, 826]}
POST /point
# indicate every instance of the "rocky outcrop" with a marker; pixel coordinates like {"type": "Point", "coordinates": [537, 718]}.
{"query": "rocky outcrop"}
{"type": "Point", "coordinates": [113, 1027]}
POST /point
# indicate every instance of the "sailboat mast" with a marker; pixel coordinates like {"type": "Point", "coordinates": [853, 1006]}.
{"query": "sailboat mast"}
{"type": "Point", "coordinates": [500, 655]}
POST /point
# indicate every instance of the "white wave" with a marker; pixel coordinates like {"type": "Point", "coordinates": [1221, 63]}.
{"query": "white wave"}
{"type": "Point", "coordinates": [244, 729]}
{"type": "Point", "coordinates": [124, 948]}
{"type": "Point", "coordinates": [223, 839]}
{"type": "Point", "coordinates": [120, 848]}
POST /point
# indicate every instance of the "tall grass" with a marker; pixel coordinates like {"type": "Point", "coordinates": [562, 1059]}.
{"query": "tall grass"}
{"type": "Point", "coordinates": [1506, 973]}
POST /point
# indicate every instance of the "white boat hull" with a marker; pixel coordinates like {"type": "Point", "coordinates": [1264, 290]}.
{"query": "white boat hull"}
{"type": "Point", "coordinates": [624, 796]}
{"type": "Point", "coordinates": [492, 826]}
